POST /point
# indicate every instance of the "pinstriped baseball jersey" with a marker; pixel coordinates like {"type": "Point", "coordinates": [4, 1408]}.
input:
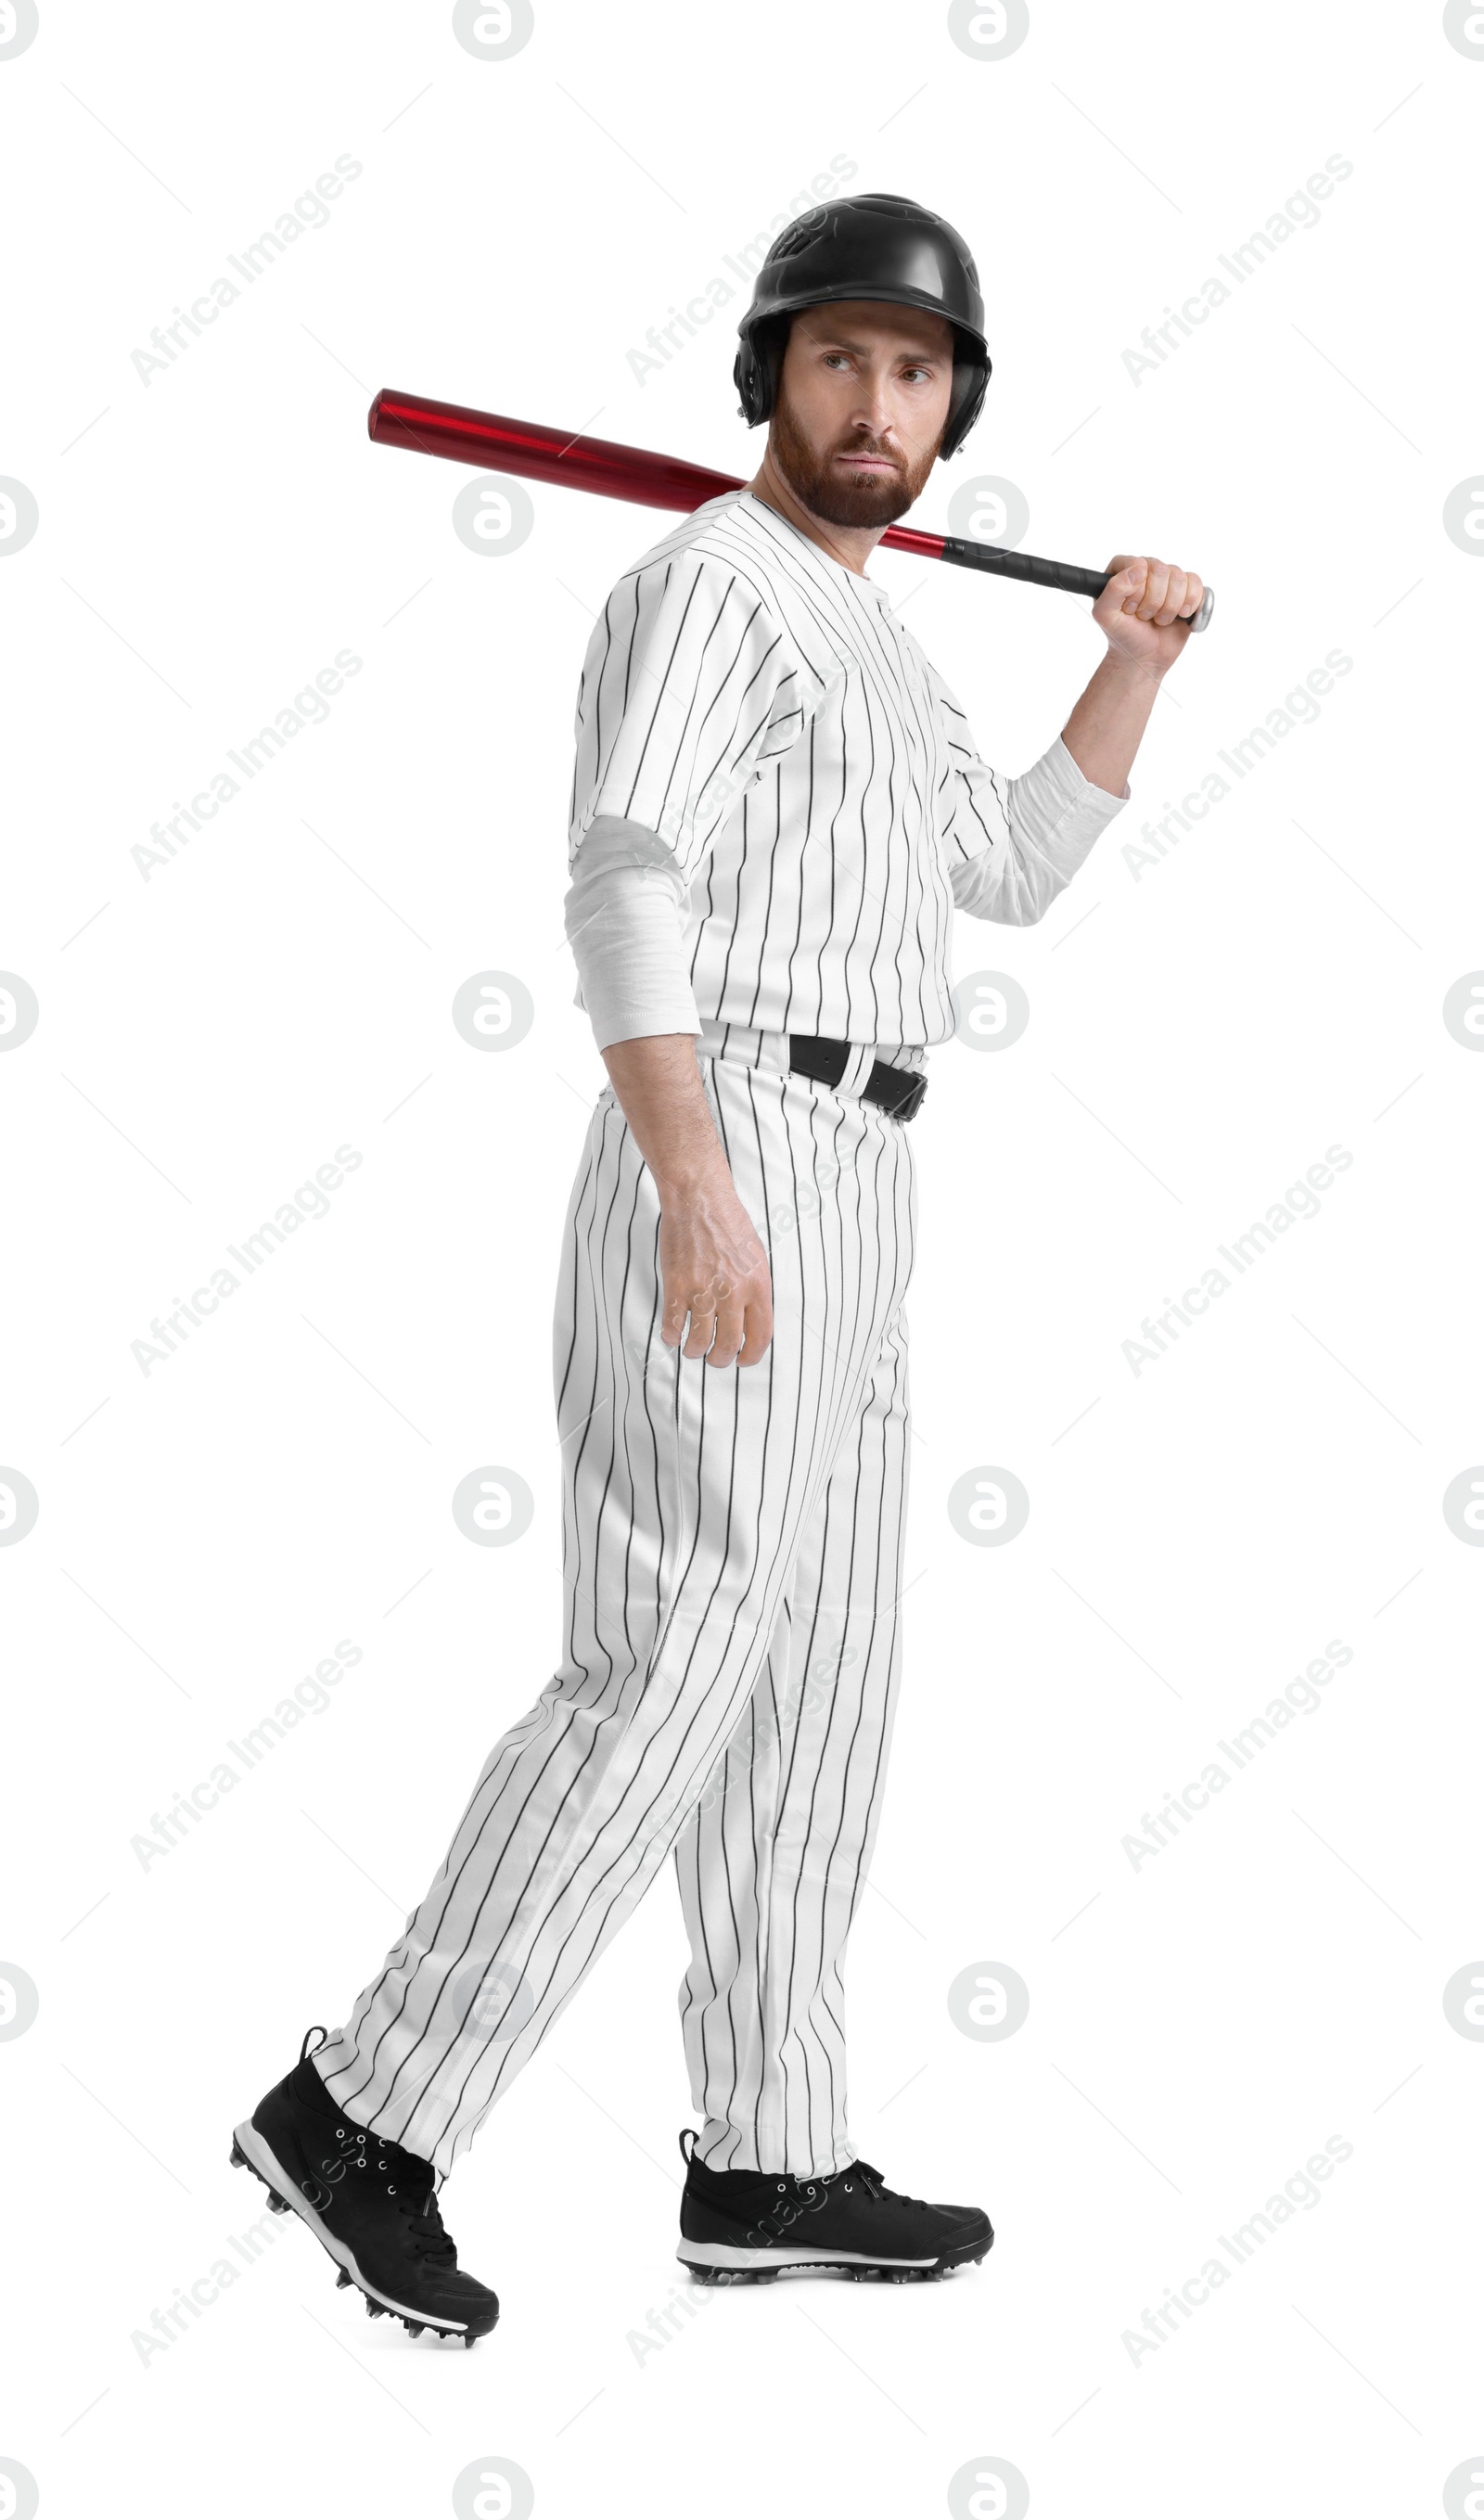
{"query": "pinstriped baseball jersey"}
{"type": "Point", "coordinates": [760, 708]}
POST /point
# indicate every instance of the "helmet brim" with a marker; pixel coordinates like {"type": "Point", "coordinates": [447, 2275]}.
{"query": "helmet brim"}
{"type": "Point", "coordinates": [869, 292]}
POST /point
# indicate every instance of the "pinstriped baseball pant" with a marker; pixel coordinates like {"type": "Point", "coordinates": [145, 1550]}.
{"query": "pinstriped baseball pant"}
{"type": "Point", "coordinates": [732, 1565]}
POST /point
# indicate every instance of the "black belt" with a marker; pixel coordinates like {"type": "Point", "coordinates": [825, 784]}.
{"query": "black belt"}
{"type": "Point", "coordinates": [898, 1090]}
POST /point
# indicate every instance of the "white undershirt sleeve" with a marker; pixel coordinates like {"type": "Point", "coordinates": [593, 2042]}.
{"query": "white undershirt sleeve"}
{"type": "Point", "coordinates": [624, 913]}
{"type": "Point", "coordinates": [1038, 833]}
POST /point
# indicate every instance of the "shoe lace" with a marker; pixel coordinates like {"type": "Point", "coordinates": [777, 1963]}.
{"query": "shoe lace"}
{"type": "Point", "coordinates": [412, 2185]}
{"type": "Point", "coordinates": [425, 2234]}
{"type": "Point", "coordinates": [875, 2185]}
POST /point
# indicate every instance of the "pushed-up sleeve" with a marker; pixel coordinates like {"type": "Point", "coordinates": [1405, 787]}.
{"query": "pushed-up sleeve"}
{"type": "Point", "coordinates": [1012, 845]}
{"type": "Point", "coordinates": [624, 912]}
{"type": "Point", "coordinates": [690, 687]}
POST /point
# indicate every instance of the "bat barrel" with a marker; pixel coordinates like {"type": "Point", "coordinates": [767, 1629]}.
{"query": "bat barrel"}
{"type": "Point", "coordinates": [541, 454]}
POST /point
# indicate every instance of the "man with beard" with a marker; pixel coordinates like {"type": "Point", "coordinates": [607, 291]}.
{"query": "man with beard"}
{"type": "Point", "coordinates": [775, 808]}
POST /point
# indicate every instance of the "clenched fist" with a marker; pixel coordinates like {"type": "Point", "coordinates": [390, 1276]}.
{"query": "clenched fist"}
{"type": "Point", "coordinates": [1145, 610]}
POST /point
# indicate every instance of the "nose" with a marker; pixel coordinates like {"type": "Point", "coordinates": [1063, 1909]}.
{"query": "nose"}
{"type": "Point", "coordinates": [873, 410]}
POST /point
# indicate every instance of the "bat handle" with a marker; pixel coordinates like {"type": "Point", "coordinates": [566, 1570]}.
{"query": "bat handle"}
{"type": "Point", "coordinates": [1033, 571]}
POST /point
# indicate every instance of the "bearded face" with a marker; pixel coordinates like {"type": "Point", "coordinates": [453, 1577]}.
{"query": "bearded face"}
{"type": "Point", "coordinates": [861, 405]}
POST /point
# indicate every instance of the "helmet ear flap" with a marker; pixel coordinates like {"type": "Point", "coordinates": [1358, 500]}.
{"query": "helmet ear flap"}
{"type": "Point", "coordinates": [755, 370]}
{"type": "Point", "coordinates": [750, 381]}
{"type": "Point", "coordinates": [970, 380]}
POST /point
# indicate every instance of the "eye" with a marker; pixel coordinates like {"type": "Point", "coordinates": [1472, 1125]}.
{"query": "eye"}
{"type": "Point", "coordinates": [924, 373]}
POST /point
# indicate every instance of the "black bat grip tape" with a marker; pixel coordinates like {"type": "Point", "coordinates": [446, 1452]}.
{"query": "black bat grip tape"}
{"type": "Point", "coordinates": [1043, 573]}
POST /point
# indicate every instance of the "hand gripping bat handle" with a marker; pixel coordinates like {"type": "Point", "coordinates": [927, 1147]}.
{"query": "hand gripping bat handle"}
{"type": "Point", "coordinates": [1061, 573]}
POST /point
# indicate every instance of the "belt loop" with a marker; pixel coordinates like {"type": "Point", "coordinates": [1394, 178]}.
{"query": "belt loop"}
{"type": "Point", "coordinates": [747, 1043]}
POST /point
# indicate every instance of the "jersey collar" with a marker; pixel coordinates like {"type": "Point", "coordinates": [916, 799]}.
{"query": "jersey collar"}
{"type": "Point", "coordinates": [833, 570]}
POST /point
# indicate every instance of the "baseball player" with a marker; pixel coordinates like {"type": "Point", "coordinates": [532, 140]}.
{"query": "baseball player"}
{"type": "Point", "coordinates": [775, 808]}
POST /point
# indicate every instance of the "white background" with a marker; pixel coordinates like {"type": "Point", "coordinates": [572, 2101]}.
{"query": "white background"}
{"type": "Point", "coordinates": [1202, 1031]}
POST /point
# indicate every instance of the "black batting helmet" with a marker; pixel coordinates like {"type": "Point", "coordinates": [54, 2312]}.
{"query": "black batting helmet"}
{"type": "Point", "coordinates": [872, 244]}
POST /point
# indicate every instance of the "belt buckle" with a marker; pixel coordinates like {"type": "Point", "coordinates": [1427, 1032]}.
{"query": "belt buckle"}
{"type": "Point", "coordinates": [900, 1102]}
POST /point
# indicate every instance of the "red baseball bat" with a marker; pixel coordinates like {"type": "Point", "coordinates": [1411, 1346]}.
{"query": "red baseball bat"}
{"type": "Point", "coordinates": [615, 471]}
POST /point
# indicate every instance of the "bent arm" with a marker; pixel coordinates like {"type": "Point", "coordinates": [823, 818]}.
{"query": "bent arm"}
{"type": "Point", "coordinates": [1032, 836]}
{"type": "Point", "coordinates": [1107, 727]}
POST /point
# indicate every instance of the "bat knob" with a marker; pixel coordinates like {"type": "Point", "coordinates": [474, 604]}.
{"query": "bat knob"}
{"type": "Point", "coordinates": [1202, 619]}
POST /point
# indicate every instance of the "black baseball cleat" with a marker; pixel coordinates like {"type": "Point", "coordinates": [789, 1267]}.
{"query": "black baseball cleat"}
{"type": "Point", "coordinates": [367, 2201]}
{"type": "Point", "coordinates": [748, 2226]}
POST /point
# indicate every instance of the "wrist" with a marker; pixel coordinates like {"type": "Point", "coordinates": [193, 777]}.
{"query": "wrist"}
{"type": "Point", "coordinates": [1128, 674]}
{"type": "Point", "coordinates": [683, 1181]}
